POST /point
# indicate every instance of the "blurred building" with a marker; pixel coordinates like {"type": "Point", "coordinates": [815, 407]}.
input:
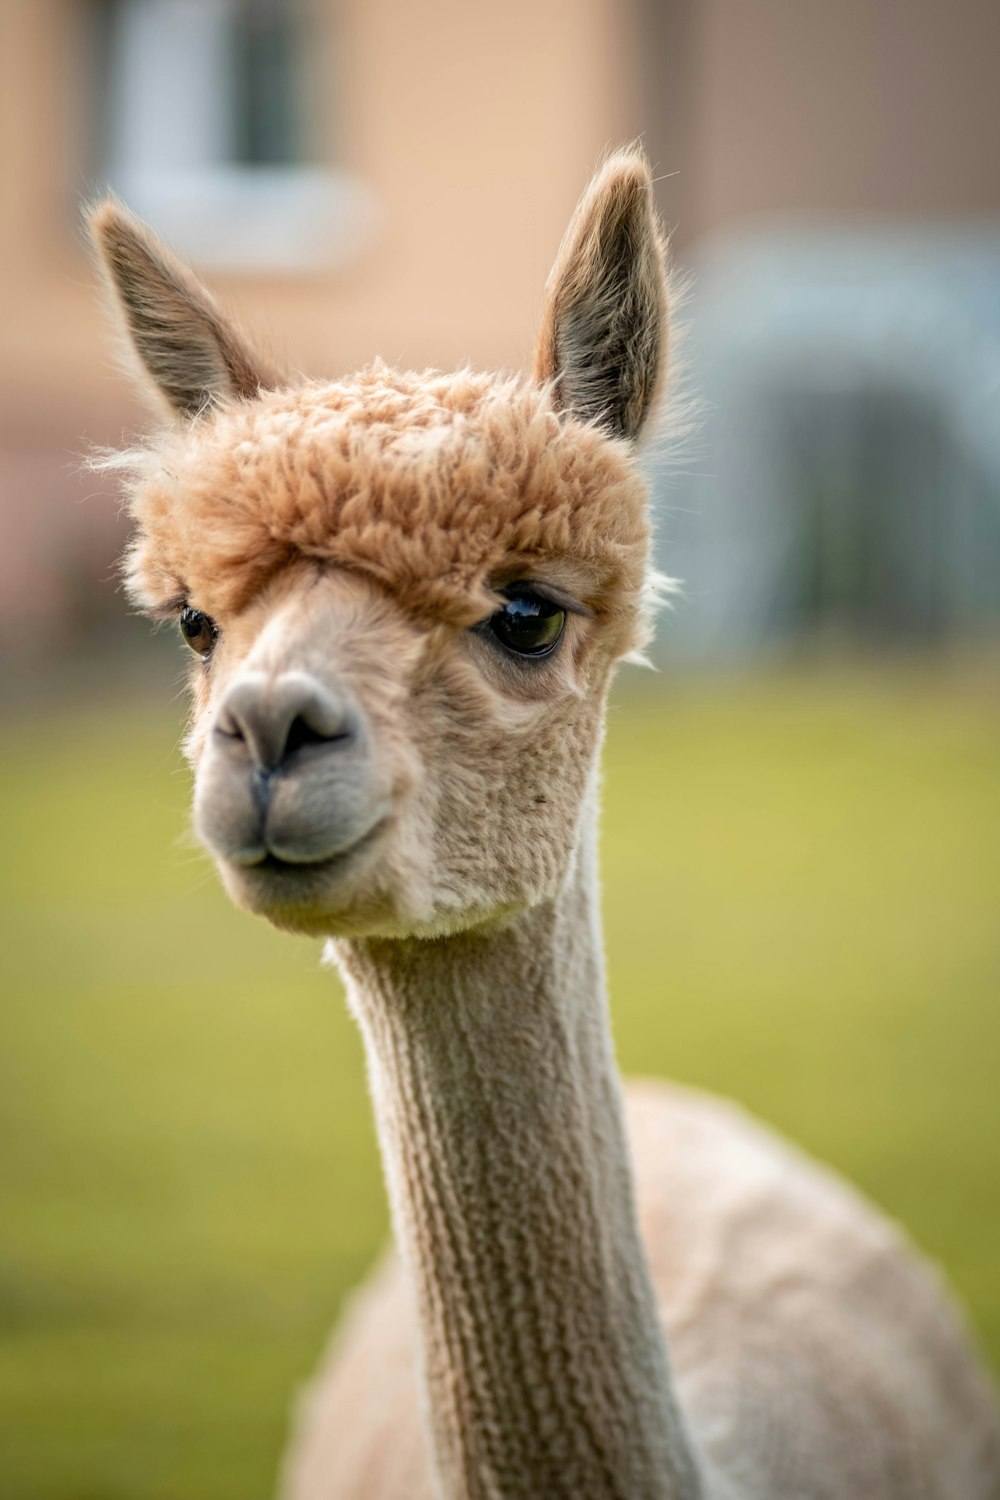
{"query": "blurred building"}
{"type": "Point", "coordinates": [361, 178]}
{"type": "Point", "coordinates": [841, 210]}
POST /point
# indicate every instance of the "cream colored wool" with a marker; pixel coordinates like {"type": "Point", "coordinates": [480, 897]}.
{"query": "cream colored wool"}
{"type": "Point", "coordinates": [372, 767]}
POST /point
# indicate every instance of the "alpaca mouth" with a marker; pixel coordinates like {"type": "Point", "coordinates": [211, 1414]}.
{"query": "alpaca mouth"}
{"type": "Point", "coordinates": [306, 873]}
{"type": "Point", "coordinates": [272, 864]}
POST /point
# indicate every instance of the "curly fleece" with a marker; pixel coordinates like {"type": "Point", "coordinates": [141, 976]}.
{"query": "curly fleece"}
{"type": "Point", "coordinates": [431, 484]}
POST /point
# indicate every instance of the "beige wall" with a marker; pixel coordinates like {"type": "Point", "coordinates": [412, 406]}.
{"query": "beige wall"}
{"type": "Point", "coordinates": [473, 126]}
{"type": "Point", "coordinates": [858, 109]}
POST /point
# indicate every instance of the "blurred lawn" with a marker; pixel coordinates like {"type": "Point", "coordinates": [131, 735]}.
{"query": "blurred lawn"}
{"type": "Point", "coordinates": [801, 886]}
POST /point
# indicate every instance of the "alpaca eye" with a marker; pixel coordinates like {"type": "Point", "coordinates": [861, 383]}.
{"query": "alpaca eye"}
{"type": "Point", "coordinates": [528, 624]}
{"type": "Point", "coordinates": [198, 630]}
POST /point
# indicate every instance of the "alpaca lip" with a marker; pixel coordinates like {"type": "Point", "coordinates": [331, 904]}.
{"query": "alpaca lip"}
{"type": "Point", "coordinates": [288, 869]}
{"type": "Point", "coordinates": [271, 864]}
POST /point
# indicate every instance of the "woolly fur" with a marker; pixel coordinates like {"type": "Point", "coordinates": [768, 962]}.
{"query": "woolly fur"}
{"type": "Point", "coordinates": [436, 486]}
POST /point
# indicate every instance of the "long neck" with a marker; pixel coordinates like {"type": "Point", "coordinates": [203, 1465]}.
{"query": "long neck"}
{"type": "Point", "coordinates": [500, 1123]}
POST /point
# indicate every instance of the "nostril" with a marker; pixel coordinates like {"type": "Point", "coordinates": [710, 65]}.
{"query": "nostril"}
{"type": "Point", "coordinates": [302, 734]}
{"type": "Point", "coordinates": [283, 722]}
{"type": "Point", "coordinates": [228, 728]}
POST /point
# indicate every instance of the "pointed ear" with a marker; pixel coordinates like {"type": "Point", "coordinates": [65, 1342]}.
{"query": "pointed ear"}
{"type": "Point", "coordinates": [174, 324]}
{"type": "Point", "coordinates": [603, 340]}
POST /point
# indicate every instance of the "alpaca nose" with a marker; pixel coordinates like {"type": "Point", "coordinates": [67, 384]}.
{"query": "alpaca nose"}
{"type": "Point", "coordinates": [284, 721]}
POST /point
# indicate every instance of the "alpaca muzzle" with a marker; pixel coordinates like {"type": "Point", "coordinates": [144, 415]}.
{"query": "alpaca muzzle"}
{"type": "Point", "coordinates": [287, 776]}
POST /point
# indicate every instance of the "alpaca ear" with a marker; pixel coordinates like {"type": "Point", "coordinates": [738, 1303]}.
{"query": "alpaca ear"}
{"type": "Point", "coordinates": [182, 339]}
{"type": "Point", "coordinates": [604, 331]}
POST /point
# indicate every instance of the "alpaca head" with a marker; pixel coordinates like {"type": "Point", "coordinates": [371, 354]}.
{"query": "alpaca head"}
{"type": "Point", "coordinates": [404, 594]}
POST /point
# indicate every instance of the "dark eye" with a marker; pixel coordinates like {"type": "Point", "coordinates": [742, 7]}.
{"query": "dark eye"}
{"type": "Point", "coordinates": [198, 630]}
{"type": "Point", "coordinates": [528, 624]}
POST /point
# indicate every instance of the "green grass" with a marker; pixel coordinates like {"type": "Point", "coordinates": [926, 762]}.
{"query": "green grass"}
{"type": "Point", "coordinates": [801, 882]}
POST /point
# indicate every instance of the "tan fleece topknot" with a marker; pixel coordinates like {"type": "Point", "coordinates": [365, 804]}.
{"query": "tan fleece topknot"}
{"type": "Point", "coordinates": [428, 483]}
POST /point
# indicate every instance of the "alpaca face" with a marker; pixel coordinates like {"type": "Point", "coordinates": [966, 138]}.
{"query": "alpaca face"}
{"type": "Point", "coordinates": [404, 599]}
{"type": "Point", "coordinates": [405, 594]}
{"type": "Point", "coordinates": [360, 770]}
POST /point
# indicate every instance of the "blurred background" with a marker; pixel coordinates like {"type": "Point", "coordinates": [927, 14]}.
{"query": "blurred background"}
{"type": "Point", "coordinates": [802, 831]}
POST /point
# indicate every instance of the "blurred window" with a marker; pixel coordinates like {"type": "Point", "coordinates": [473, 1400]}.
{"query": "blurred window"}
{"type": "Point", "coordinates": [208, 124]}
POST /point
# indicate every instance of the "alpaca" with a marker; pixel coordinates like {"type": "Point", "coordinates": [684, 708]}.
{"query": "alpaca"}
{"type": "Point", "coordinates": [405, 596]}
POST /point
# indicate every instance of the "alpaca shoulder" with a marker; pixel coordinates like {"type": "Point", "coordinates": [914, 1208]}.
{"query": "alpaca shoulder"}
{"type": "Point", "coordinates": [801, 1322]}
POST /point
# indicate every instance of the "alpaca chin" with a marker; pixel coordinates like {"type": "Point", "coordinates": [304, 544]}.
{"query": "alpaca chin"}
{"type": "Point", "coordinates": [342, 896]}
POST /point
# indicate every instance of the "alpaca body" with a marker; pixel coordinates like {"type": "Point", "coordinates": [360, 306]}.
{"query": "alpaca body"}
{"type": "Point", "coordinates": [790, 1308]}
{"type": "Point", "coordinates": [406, 595]}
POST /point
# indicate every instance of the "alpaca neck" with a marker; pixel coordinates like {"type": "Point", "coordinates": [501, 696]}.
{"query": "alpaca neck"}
{"type": "Point", "coordinates": [500, 1124]}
